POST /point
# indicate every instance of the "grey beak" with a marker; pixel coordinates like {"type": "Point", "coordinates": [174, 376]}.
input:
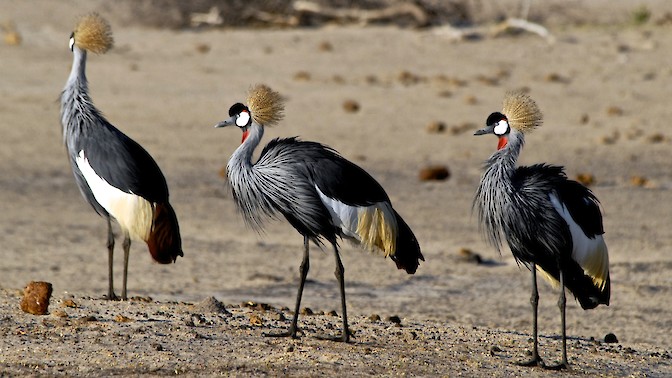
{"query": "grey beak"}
{"type": "Point", "coordinates": [486, 130]}
{"type": "Point", "coordinates": [227, 122]}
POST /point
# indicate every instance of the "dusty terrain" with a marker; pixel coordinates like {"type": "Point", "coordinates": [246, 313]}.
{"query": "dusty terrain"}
{"type": "Point", "coordinates": [603, 89]}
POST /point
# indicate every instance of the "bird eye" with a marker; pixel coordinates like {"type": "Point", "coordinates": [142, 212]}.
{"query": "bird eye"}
{"type": "Point", "coordinates": [501, 128]}
{"type": "Point", "coordinates": [243, 119]}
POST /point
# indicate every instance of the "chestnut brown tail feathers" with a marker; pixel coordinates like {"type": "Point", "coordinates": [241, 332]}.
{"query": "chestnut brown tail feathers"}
{"type": "Point", "coordinates": [408, 255]}
{"type": "Point", "coordinates": [164, 241]}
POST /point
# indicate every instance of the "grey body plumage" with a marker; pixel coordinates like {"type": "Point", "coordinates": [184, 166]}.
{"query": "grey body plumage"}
{"type": "Point", "coordinates": [550, 223]}
{"type": "Point", "coordinates": [116, 176]}
{"type": "Point", "coordinates": [321, 194]}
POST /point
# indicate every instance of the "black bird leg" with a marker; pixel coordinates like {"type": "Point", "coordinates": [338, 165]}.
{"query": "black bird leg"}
{"type": "Point", "coordinates": [562, 304]}
{"type": "Point", "coordinates": [110, 259]}
{"type": "Point", "coordinates": [339, 273]}
{"type": "Point", "coordinates": [127, 250]}
{"type": "Point", "coordinates": [303, 270]}
{"type": "Point", "coordinates": [534, 301]}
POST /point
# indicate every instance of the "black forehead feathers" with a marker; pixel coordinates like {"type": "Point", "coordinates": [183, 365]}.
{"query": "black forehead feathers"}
{"type": "Point", "coordinates": [494, 118]}
{"type": "Point", "coordinates": [237, 109]}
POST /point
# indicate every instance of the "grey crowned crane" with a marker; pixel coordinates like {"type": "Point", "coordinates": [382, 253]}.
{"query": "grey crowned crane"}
{"type": "Point", "coordinates": [118, 178]}
{"type": "Point", "coordinates": [552, 224]}
{"type": "Point", "coordinates": [321, 194]}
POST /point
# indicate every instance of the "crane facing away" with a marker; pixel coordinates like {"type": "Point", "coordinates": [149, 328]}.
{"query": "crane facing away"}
{"type": "Point", "coordinates": [321, 194]}
{"type": "Point", "coordinates": [118, 178]}
{"type": "Point", "coordinates": [552, 224]}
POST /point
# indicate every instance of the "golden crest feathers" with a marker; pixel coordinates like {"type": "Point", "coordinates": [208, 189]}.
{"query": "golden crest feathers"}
{"type": "Point", "coordinates": [266, 105]}
{"type": "Point", "coordinates": [522, 111]}
{"type": "Point", "coordinates": [93, 33]}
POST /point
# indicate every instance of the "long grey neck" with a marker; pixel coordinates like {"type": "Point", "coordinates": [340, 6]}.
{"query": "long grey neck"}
{"type": "Point", "coordinates": [503, 162]}
{"type": "Point", "coordinates": [242, 156]}
{"type": "Point", "coordinates": [75, 101]}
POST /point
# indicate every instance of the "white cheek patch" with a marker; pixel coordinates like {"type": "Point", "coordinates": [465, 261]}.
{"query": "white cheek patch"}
{"type": "Point", "coordinates": [243, 119]}
{"type": "Point", "coordinates": [501, 128]}
{"type": "Point", "coordinates": [72, 42]}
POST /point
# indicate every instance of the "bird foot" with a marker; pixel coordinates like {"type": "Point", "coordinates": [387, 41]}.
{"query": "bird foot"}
{"type": "Point", "coordinates": [344, 337]}
{"type": "Point", "coordinates": [111, 297]}
{"type": "Point", "coordinates": [561, 366]}
{"type": "Point", "coordinates": [289, 333]}
{"type": "Point", "coordinates": [534, 361]}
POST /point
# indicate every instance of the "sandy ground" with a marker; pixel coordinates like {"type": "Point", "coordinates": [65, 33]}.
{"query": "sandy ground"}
{"type": "Point", "coordinates": [603, 90]}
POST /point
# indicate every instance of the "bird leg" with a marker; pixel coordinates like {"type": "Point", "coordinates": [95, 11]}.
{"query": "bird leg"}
{"type": "Point", "coordinates": [127, 250]}
{"type": "Point", "coordinates": [339, 273]}
{"type": "Point", "coordinates": [534, 301]}
{"type": "Point", "coordinates": [303, 270]}
{"type": "Point", "coordinates": [562, 304]}
{"type": "Point", "coordinates": [110, 258]}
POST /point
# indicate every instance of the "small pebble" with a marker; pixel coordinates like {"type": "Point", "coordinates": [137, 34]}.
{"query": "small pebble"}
{"type": "Point", "coordinates": [610, 338]}
{"type": "Point", "coordinates": [394, 319]}
{"type": "Point", "coordinates": [203, 48]}
{"type": "Point", "coordinates": [468, 255]}
{"type": "Point", "coordinates": [614, 111]}
{"type": "Point", "coordinates": [302, 76]}
{"type": "Point", "coordinates": [470, 100]}
{"type": "Point", "coordinates": [122, 319]}
{"type": "Point", "coordinates": [374, 318]}
{"type": "Point", "coordinates": [69, 303]}
{"type": "Point", "coordinates": [436, 127]}
{"type": "Point", "coordinates": [434, 173]}
{"type": "Point", "coordinates": [639, 181]}
{"type": "Point", "coordinates": [351, 106]}
{"type": "Point", "coordinates": [655, 138]}
{"type": "Point", "coordinates": [306, 311]}
{"type": "Point", "coordinates": [587, 179]}
{"type": "Point", "coordinates": [256, 320]}
{"type": "Point", "coordinates": [325, 46]}
{"type": "Point", "coordinates": [158, 347]}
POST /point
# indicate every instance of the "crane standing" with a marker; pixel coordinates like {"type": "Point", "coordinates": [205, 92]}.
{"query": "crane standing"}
{"type": "Point", "coordinates": [321, 194]}
{"type": "Point", "coordinates": [552, 224]}
{"type": "Point", "coordinates": [114, 173]}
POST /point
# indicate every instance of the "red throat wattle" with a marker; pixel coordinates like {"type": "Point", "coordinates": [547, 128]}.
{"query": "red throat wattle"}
{"type": "Point", "coordinates": [502, 142]}
{"type": "Point", "coordinates": [245, 134]}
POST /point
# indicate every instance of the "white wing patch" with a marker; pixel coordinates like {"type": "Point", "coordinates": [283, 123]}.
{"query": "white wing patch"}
{"type": "Point", "coordinates": [343, 216]}
{"type": "Point", "coordinates": [590, 253]}
{"type": "Point", "coordinates": [132, 212]}
{"type": "Point", "coordinates": [374, 226]}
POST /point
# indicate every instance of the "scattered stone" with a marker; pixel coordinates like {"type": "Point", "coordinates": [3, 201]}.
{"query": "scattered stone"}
{"type": "Point", "coordinates": [459, 129]}
{"type": "Point", "coordinates": [436, 127]}
{"type": "Point", "coordinates": [87, 319]}
{"type": "Point", "coordinates": [467, 255]}
{"type": "Point", "coordinates": [610, 338]}
{"type": "Point", "coordinates": [394, 319]}
{"type": "Point", "coordinates": [211, 305]}
{"type": "Point", "coordinates": [325, 46]}
{"type": "Point", "coordinates": [279, 317]}
{"type": "Point", "coordinates": [555, 78]}
{"type": "Point", "coordinates": [60, 314]}
{"type": "Point", "coordinates": [157, 347]}
{"type": "Point", "coordinates": [36, 297]}
{"type": "Point", "coordinates": [302, 76]}
{"type": "Point", "coordinates": [306, 311]}
{"type": "Point", "coordinates": [408, 78]}
{"type": "Point", "coordinates": [614, 111]}
{"type": "Point", "coordinates": [639, 181]}
{"type": "Point", "coordinates": [610, 139]}
{"type": "Point", "coordinates": [350, 106]}
{"type": "Point", "coordinates": [445, 93]}
{"type": "Point", "coordinates": [434, 173]}
{"type": "Point", "coordinates": [374, 318]}
{"type": "Point", "coordinates": [69, 303]}
{"type": "Point", "coordinates": [203, 48]}
{"type": "Point", "coordinates": [371, 79]}
{"type": "Point", "coordinates": [587, 179]}
{"type": "Point", "coordinates": [289, 349]}
{"type": "Point", "coordinates": [338, 79]}
{"type": "Point", "coordinates": [331, 313]}
{"type": "Point", "coordinates": [470, 100]}
{"type": "Point", "coordinates": [256, 320]}
{"type": "Point", "coordinates": [585, 118]}
{"type": "Point", "coordinates": [655, 138]}
{"type": "Point", "coordinates": [122, 319]}
{"type": "Point", "coordinates": [486, 80]}
{"type": "Point", "coordinates": [257, 306]}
